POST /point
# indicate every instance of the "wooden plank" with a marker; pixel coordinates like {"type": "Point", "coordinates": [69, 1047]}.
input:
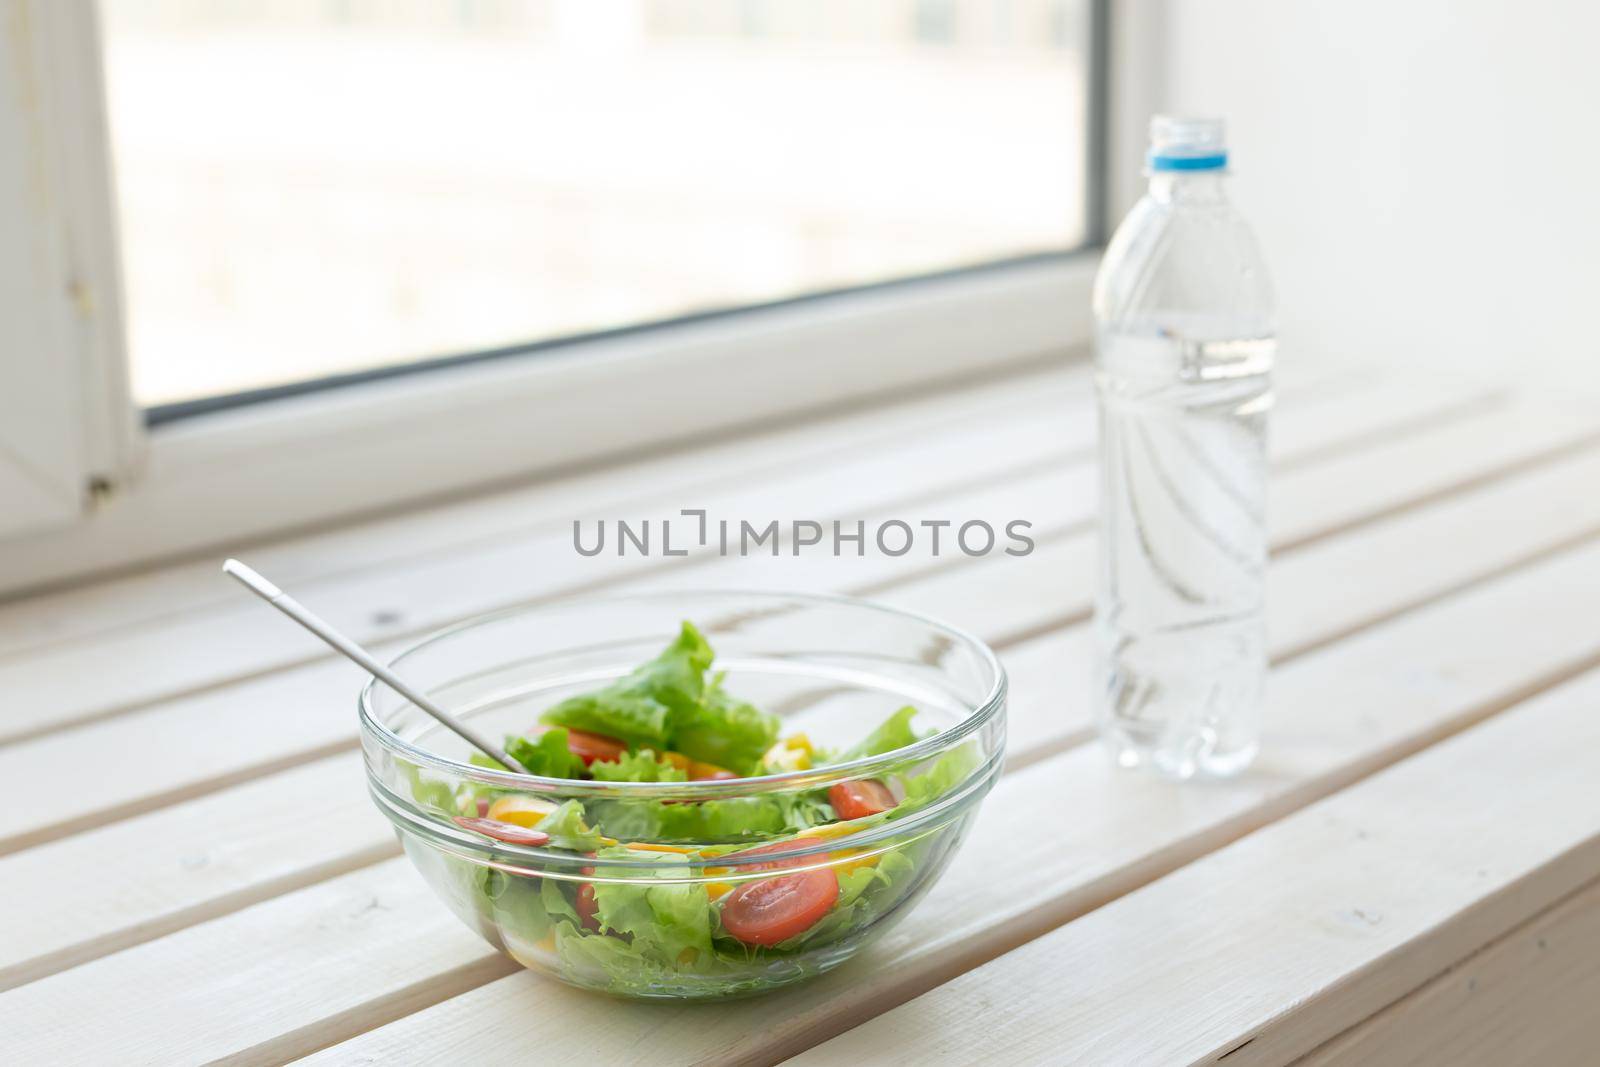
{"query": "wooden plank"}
{"type": "Point", "coordinates": [1528, 997]}
{"type": "Point", "coordinates": [259, 986]}
{"type": "Point", "coordinates": [129, 669]}
{"type": "Point", "coordinates": [184, 864]}
{"type": "Point", "coordinates": [1125, 830]}
{"type": "Point", "coordinates": [1280, 941]}
{"type": "Point", "coordinates": [191, 746]}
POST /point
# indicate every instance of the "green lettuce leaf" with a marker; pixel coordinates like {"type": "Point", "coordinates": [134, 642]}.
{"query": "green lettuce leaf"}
{"type": "Point", "coordinates": [516, 905]}
{"type": "Point", "coordinates": [568, 829]}
{"type": "Point", "coordinates": [734, 819]}
{"type": "Point", "coordinates": [556, 904]}
{"type": "Point", "coordinates": [589, 955]}
{"type": "Point", "coordinates": [669, 922]}
{"type": "Point", "coordinates": [640, 766]}
{"type": "Point", "coordinates": [946, 772]}
{"type": "Point", "coordinates": [724, 730]}
{"type": "Point", "coordinates": [428, 792]}
{"type": "Point", "coordinates": [546, 755]}
{"type": "Point", "coordinates": [639, 708]}
{"type": "Point", "coordinates": [894, 732]}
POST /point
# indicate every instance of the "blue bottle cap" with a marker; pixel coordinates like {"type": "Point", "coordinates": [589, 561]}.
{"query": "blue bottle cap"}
{"type": "Point", "coordinates": [1178, 143]}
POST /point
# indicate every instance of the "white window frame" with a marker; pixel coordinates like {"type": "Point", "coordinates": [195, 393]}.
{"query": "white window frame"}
{"type": "Point", "coordinates": [67, 428]}
{"type": "Point", "coordinates": [123, 495]}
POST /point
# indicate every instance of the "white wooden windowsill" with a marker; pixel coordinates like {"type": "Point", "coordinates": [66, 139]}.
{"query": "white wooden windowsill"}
{"type": "Point", "coordinates": [1417, 853]}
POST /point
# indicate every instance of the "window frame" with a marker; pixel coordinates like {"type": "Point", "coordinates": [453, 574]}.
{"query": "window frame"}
{"type": "Point", "coordinates": [68, 429]}
{"type": "Point", "coordinates": [225, 472]}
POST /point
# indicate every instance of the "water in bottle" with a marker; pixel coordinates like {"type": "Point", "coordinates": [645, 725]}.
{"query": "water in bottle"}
{"type": "Point", "coordinates": [1184, 350]}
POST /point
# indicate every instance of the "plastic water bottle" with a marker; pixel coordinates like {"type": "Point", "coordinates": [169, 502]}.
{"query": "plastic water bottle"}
{"type": "Point", "coordinates": [1184, 350]}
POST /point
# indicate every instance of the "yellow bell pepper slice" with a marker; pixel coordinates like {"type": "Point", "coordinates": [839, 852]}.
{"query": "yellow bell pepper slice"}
{"type": "Point", "coordinates": [845, 863]}
{"type": "Point", "coordinates": [700, 770]}
{"type": "Point", "coordinates": [785, 757]}
{"type": "Point", "coordinates": [520, 809]}
{"type": "Point", "coordinates": [827, 830]}
{"type": "Point", "coordinates": [651, 846]}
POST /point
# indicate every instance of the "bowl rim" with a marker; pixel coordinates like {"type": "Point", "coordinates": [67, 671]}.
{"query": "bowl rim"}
{"type": "Point", "coordinates": [976, 717]}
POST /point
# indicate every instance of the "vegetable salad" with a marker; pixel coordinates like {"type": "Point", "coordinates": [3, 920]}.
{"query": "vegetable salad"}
{"type": "Point", "coordinates": [650, 923]}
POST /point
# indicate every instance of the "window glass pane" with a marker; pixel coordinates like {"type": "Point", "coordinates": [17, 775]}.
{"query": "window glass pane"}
{"type": "Point", "coordinates": [312, 187]}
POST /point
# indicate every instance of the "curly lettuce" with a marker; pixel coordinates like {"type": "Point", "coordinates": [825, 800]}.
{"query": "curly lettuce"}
{"type": "Point", "coordinates": [546, 755]}
{"type": "Point", "coordinates": [943, 775]}
{"type": "Point", "coordinates": [669, 705]}
{"type": "Point", "coordinates": [641, 766]}
{"type": "Point", "coordinates": [724, 730]}
{"type": "Point", "coordinates": [667, 922]}
{"type": "Point", "coordinates": [894, 732]}
{"type": "Point", "coordinates": [569, 829]}
{"type": "Point", "coordinates": [639, 709]}
{"type": "Point", "coordinates": [734, 819]}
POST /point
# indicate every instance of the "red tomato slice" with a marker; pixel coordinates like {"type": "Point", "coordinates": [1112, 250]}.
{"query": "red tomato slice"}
{"type": "Point", "coordinates": [591, 747]}
{"type": "Point", "coordinates": [503, 831]}
{"type": "Point", "coordinates": [588, 908]}
{"type": "Point", "coordinates": [775, 909]}
{"type": "Point", "coordinates": [857, 800]}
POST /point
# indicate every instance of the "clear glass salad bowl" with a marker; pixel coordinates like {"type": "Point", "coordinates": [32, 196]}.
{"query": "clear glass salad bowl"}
{"type": "Point", "coordinates": [718, 886]}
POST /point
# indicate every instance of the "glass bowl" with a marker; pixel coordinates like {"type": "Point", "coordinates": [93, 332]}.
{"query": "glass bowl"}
{"type": "Point", "coordinates": [833, 668]}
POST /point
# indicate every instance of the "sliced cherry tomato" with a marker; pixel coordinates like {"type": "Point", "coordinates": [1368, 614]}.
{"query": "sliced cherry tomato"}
{"type": "Point", "coordinates": [775, 909]}
{"type": "Point", "coordinates": [591, 747]}
{"type": "Point", "coordinates": [857, 800]}
{"type": "Point", "coordinates": [503, 831]}
{"type": "Point", "coordinates": [588, 908]}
